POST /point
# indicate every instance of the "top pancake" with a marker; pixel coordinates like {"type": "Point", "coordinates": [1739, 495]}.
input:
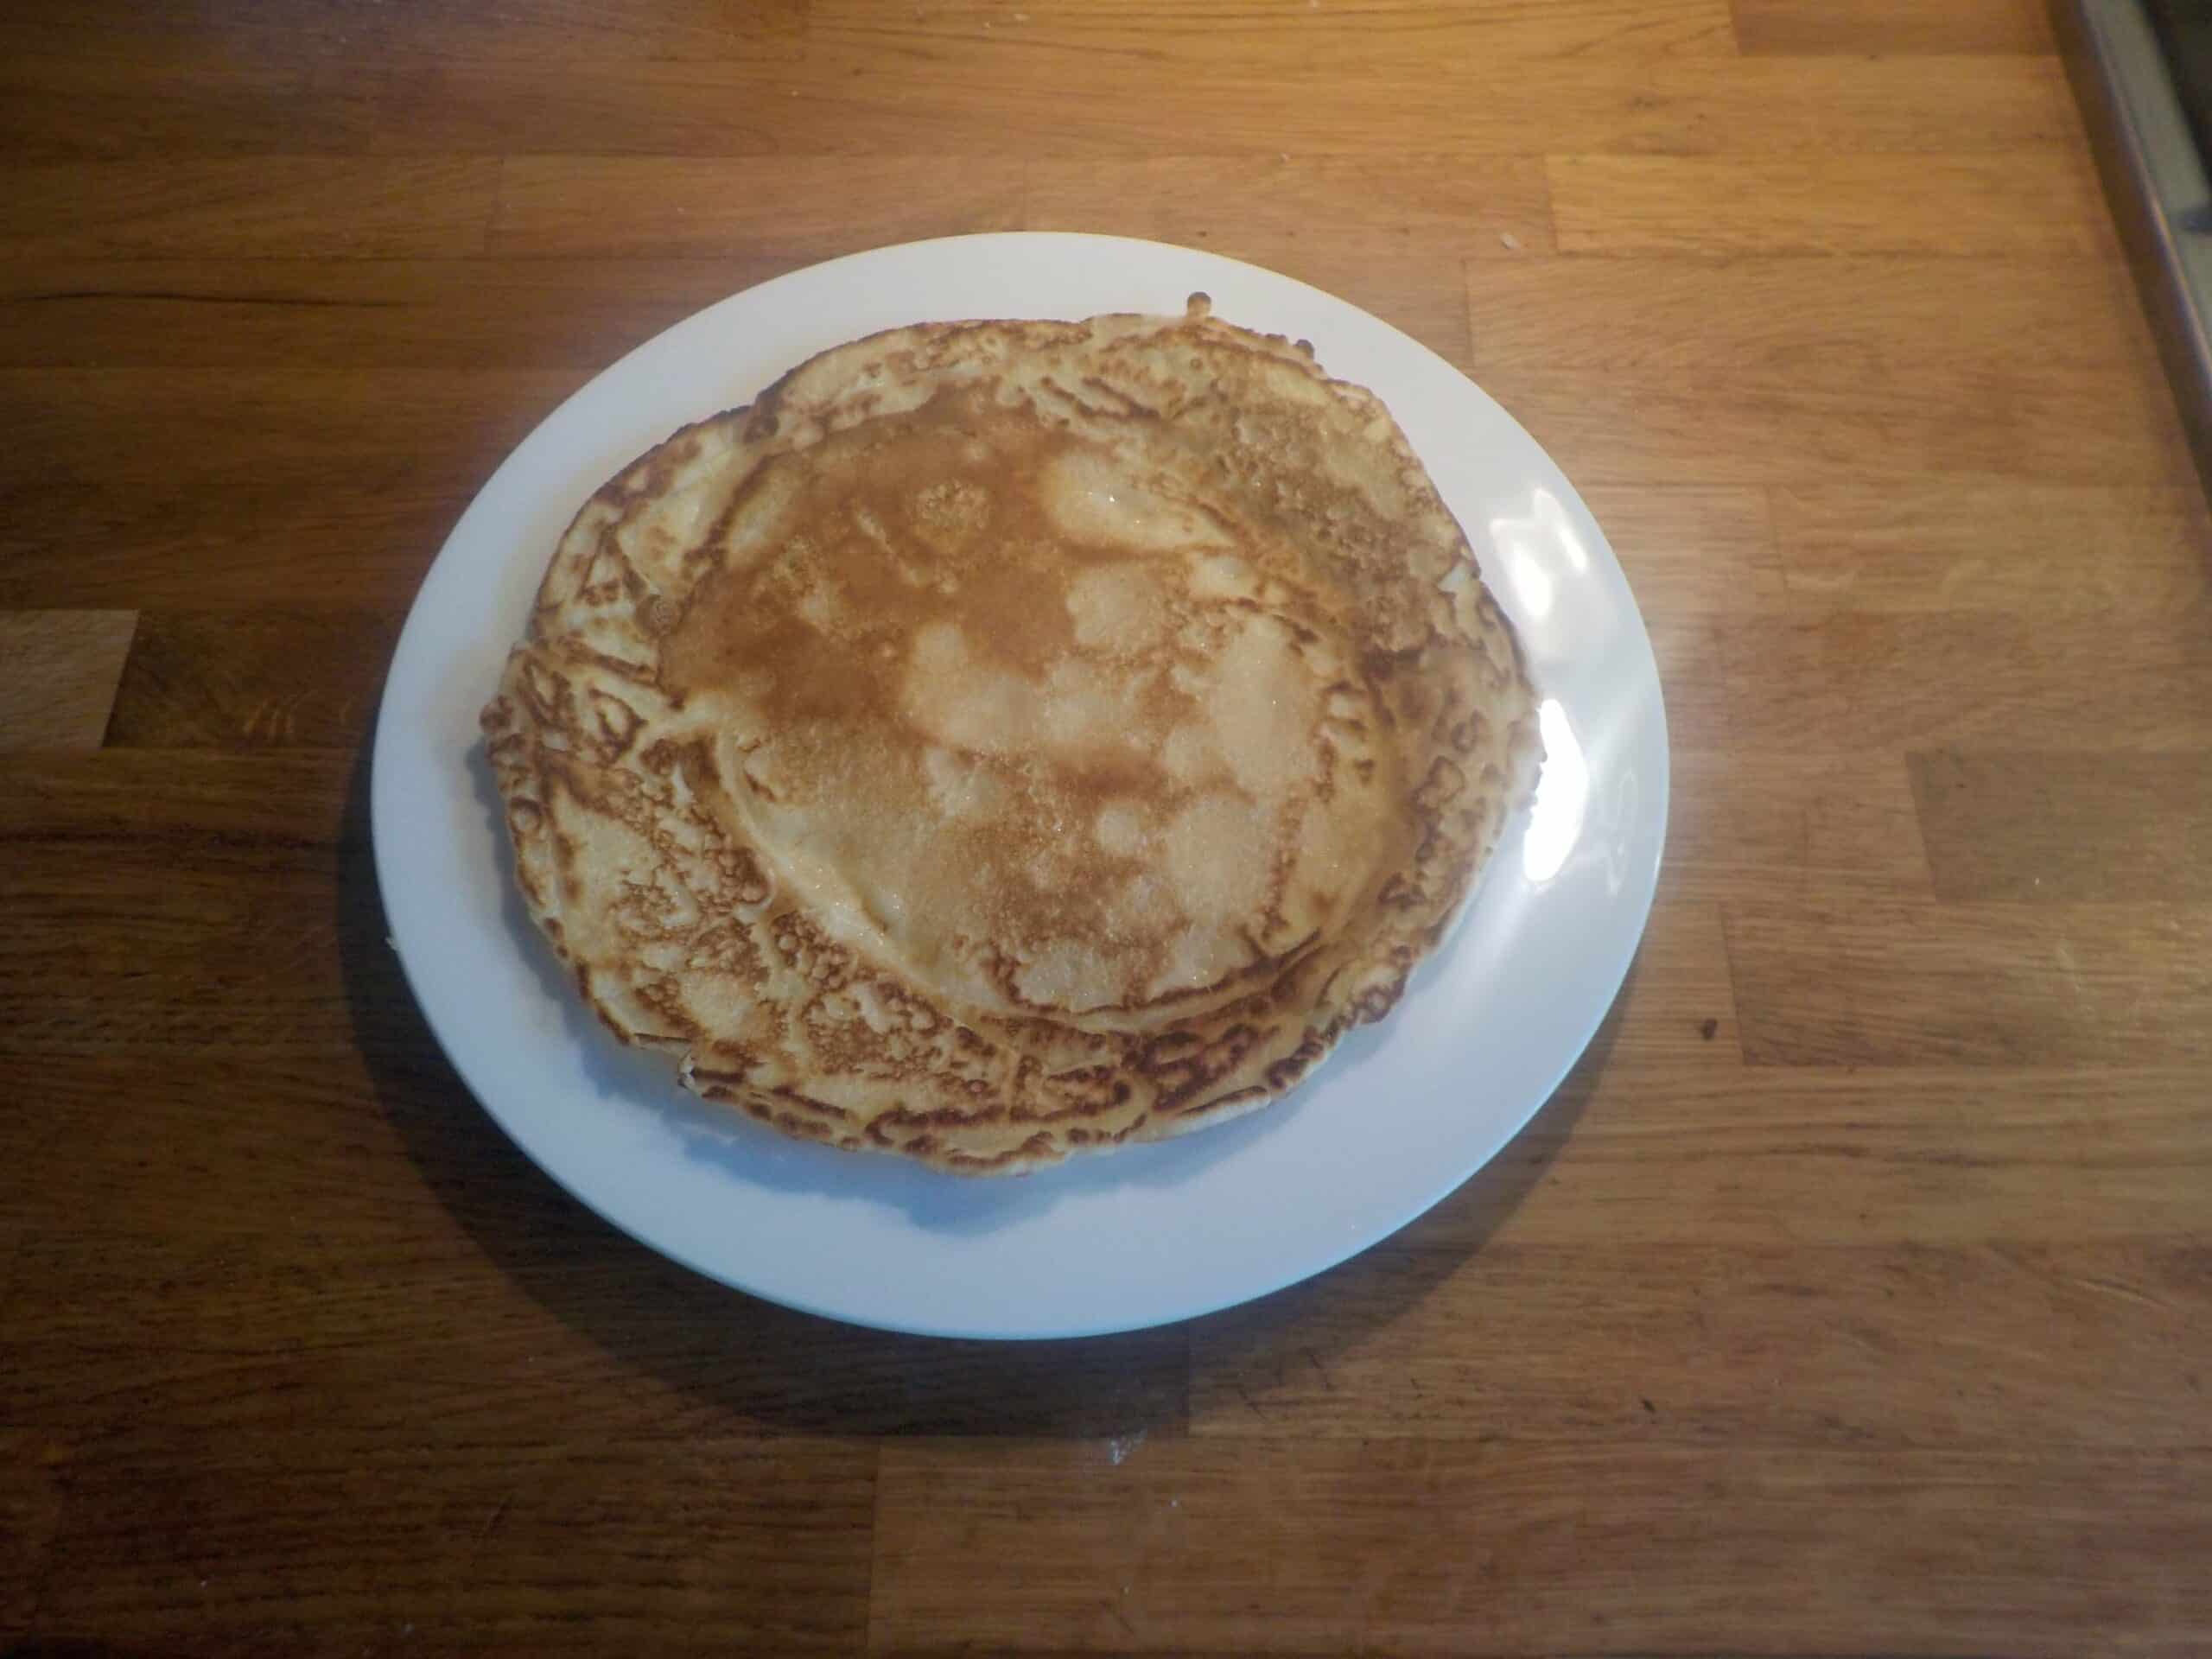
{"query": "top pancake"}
{"type": "Point", "coordinates": [1004, 738]}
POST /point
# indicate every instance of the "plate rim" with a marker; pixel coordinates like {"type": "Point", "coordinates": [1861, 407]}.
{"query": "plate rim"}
{"type": "Point", "coordinates": [384, 762]}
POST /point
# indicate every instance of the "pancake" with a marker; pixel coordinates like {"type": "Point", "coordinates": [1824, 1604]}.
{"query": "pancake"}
{"type": "Point", "coordinates": [1005, 738]}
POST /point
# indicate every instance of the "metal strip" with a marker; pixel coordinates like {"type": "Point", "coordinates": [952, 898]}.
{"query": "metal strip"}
{"type": "Point", "coordinates": [2155, 180]}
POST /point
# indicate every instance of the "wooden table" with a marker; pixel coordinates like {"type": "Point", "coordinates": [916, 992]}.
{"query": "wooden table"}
{"type": "Point", "coordinates": [1854, 1296]}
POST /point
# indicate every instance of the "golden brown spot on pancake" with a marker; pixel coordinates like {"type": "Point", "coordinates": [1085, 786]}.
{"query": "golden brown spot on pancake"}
{"type": "Point", "coordinates": [615, 724]}
{"type": "Point", "coordinates": [977, 630]}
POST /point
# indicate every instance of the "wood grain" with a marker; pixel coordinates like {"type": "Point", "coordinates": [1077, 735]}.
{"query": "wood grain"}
{"type": "Point", "coordinates": [1886, 680]}
{"type": "Point", "coordinates": [259, 207]}
{"type": "Point", "coordinates": [600, 1323]}
{"type": "Point", "coordinates": [1796, 371]}
{"type": "Point", "coordinates": [30, 1513]}
{"type": "Point", "coordinates": [1848, 1296]}
{"type": "Point", "coordinates": [1454, 103]}
{"type": "Point", "coordinates": [220, 958]}
{"type": "Point", "coordinates": [1731, 1345]}
{"type": "Point", "coordinates": [104, 107]}
{"type": "Point", "coordinates": [222, 679]}
{"type": "Point", "coordinates": [1767, 1157]}
{"type": "Point", "coordinates": [220, 939]}
{"type": "Point", "coordinates": [1782, 824]}
{"type": "Point", "coordinates": [963, 99]}
{"type": "Point", "coordinates": [2010, 826]}
{"type": "Point", "coordinates": [1373, 36]}
{"type": "Point", "coordinates": [2014, 203]}
{"type": "Point", "coordinates": [60, 682]}
{"type": "Point", "coordinates": [299, 488]}
{"type": "Point", "coordinates": [325, 1542]}
{"type": "Point", "coordinates": [1841, 979]}
{"type": "Point", "coordinates": [356, 313]}
{"type": "Point", "coordinates": [1956, 544]}
{"type": "Point", "coordinates": [1679, 1004]}
{"type": "Point", "coordinates": [1521, 1547]}
{"type": "Point", "coordinates": [1393, 237]}
{"type": "Point", "coordinates": [803, 208]}
{"type": "Point", "coordinates": [561, 30]}
{"type": "Point", "coordinates": [1893, 26]}
{"type": "Point", "coordinates": [1694, 551]}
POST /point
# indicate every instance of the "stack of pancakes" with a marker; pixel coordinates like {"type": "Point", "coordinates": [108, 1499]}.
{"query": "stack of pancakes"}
{"type": "Point", "coordinates": [1007, 738]}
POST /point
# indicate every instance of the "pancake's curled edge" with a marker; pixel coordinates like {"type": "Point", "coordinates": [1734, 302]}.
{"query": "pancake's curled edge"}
{"type": "Point", "coordinates": [1004, 739]}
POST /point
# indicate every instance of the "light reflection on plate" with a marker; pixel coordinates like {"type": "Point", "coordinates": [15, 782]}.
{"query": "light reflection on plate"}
{"type": "Point", "coordinates": [1562, 797]}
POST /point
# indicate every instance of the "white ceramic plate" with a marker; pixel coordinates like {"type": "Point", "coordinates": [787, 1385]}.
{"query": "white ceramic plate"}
{"type": "Point", "coordinates": [1402, 1115]}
